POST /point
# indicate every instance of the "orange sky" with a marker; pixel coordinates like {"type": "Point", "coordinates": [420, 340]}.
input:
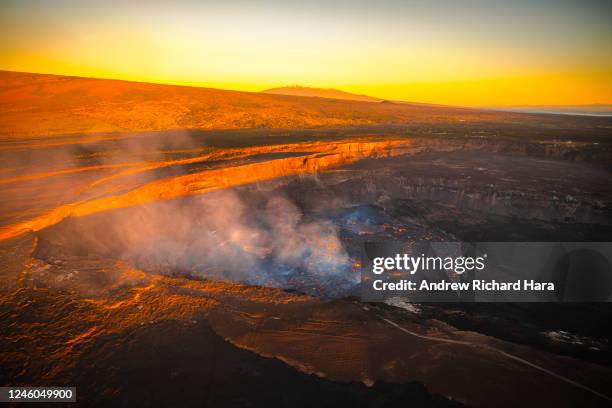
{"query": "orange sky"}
{"type": "Point", "coordinates": [464, 52]}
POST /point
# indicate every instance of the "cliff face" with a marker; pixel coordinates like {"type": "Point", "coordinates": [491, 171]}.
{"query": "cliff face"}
{"type": "Point", "coordinates": [487, 180]}
{"type": "Point", "coordinates": [489, 176]}
{"type": "Point", "coordinates": [83, 196]}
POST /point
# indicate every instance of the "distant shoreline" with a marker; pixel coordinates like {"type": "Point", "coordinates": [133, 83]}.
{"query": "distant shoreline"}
{"type": "Point", "coordinates": [572, 111]}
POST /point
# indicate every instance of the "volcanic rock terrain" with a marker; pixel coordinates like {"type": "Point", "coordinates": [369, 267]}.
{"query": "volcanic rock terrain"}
{"type": "Point", "coordinates": [222, 268]}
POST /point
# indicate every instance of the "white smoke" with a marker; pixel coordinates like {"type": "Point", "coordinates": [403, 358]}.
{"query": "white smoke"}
{"type": "Point", "coordinates": [255, 238]}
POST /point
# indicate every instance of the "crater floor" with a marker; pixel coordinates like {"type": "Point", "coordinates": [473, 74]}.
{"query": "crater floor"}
{"type": "Point", "coordinates": [228, 276]}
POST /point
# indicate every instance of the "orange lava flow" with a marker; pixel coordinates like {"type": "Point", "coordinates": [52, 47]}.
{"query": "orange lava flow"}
{"type": "Point", "coordinates": [316, 157]}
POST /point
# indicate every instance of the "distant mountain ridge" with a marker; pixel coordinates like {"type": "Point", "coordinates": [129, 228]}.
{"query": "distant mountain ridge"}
{"type": "Point", "coordinates": [330, 93]}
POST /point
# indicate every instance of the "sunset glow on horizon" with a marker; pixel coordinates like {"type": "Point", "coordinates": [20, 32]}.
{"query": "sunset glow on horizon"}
{"type": "Point", "coordinates": [455, 52]}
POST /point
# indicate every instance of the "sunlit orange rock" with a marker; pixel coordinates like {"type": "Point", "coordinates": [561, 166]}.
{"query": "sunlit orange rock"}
{"type": "Point", "coordinates": [315, 157]}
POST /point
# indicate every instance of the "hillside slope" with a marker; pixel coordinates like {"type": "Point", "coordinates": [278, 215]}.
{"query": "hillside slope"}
{"type": "Point", "coordinates": [45, 105]}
